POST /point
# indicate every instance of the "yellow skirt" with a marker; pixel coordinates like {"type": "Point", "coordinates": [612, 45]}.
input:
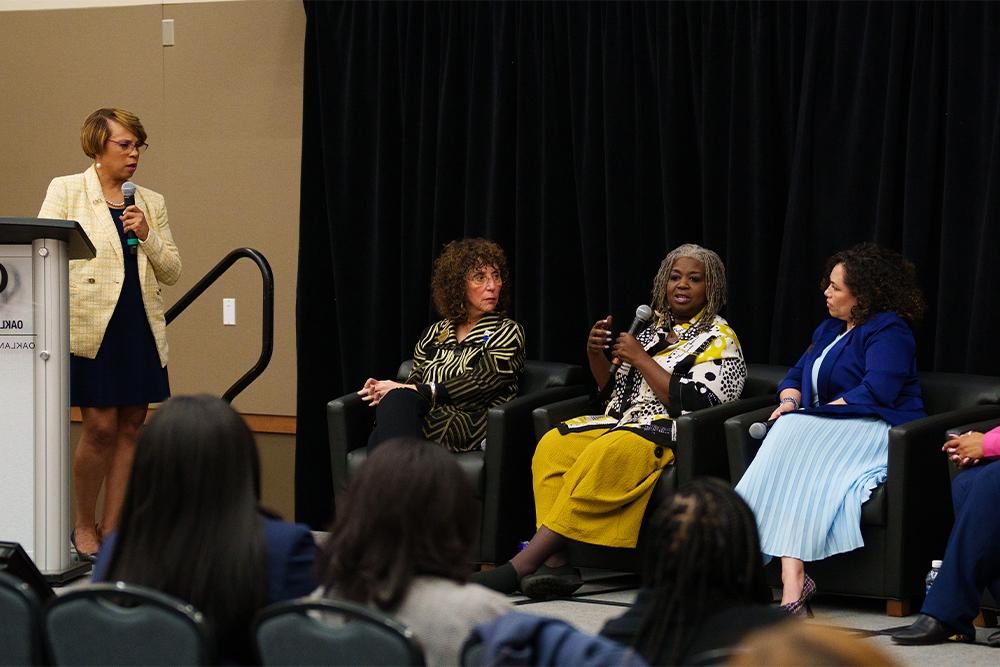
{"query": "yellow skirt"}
{"type": "Point", "coordinates": [593, 486]}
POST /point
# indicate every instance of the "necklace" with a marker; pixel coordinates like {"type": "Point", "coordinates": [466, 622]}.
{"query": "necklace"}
{"type": "Point", "coordinates": [112, 204]}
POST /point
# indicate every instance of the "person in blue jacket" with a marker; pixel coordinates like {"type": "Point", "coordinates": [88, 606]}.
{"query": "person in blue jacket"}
{"type": "Point", "coordinates": [829, 449]}
{"type": "Point", "coordinates": [192, 526]}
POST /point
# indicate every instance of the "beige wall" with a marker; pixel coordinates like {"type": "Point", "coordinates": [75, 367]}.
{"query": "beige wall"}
{"type": "Point", "coordinates": [223, 111]}
{"type": "Point", "coordinates": [277, 464]}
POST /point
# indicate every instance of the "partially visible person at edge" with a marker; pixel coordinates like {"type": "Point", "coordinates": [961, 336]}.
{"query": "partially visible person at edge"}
{"type": "Point", "coordinates": [703, 583]}
{"type": "Point", "coordinates": [464, 364]}
{"type": "Point", "coordinates": [594, 475]}
{"type": "Point", "coordinates": [192, 525]}
{"type": "Point", "coordinates": [972, 558]}
{"type": "Point", "coordinates": [118, 341]}
{"type": "Point", "coordinates": [829, 447]}
{"type": "Point", "coordinates": [402, 543]}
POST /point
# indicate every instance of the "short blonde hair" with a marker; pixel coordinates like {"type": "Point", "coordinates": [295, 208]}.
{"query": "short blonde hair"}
{"type": "Point", "coordinates": [95, 131]}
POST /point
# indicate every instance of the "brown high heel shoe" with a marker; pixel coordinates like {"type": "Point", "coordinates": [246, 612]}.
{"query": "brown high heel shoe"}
{"type": "Point", "coordinates": [801, 607]}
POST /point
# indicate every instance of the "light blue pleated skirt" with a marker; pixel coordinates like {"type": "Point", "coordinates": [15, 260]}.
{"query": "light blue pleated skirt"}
{"type": "Point", "coordinates": [808, 481]}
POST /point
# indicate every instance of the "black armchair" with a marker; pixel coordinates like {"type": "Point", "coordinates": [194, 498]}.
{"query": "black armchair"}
{"type": "Point", "coordinates": [905, 522]}
{"type": "Point", "coordinates": [700, 449]}
{"type": "Point", "coordinates": [500, 475]}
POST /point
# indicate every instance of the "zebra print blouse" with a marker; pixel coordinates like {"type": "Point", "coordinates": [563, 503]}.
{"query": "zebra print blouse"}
{"type": "Point", "coordinates": [471, 377]}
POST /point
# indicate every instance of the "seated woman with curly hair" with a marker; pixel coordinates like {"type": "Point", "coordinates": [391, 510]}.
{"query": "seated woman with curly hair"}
{"type": "Point", "coordinates": [830, 447]}
{"type": "Point", "coordinates": [464, 364]}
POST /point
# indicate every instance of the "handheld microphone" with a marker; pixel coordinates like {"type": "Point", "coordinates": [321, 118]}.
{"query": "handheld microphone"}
{"type": "Point", "coordinates": [643, 314]}
{"type": "Point", "coordinates": [758, 430]}
{"type": "Point", "coordinates": [128, 190]}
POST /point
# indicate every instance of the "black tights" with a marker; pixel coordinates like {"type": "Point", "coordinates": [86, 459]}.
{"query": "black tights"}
{"type": "Point", "coordinates": [400, 414]}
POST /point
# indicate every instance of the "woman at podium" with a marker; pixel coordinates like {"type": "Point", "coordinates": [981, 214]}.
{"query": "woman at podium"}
{"type": "Point", "coordinates": [118, 344]}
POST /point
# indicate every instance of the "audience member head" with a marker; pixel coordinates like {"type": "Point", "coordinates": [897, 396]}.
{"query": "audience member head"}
{"type": "Point", "coordinates": [461, 270]}
{"type": "Point", "coordinates": [408, 511]}
{"type": "Point", "coordinates": [96, 131]}
{"type": "Point", "coordinates": [189, 524]}
{"type": "Point", "coordinates": [708, 287]}
{"type": "Point", "coordinates": [878, 279]}
{"type": "Point", "coordinates": [704, 555]}
{"type": "Point", "coordinates": [795, 643]}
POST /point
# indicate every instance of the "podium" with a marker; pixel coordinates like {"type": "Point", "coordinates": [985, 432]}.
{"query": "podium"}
{"type": "Point", "coordinates": [34, 388]}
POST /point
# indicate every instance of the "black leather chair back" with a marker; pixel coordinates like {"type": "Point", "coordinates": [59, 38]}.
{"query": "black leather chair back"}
{"type": "Point", "coordinates": [21, 626]}
{"type": "Point", "coordinates": [537, 375]}
{"type": "Point", "coordinates": [943, 392]}
{"type": "Point", "coordinates": [124, 624]}
{"type": "Point", "coordinates": [332, 632]}
{"type": "Point", "coordinates": [763, 379]}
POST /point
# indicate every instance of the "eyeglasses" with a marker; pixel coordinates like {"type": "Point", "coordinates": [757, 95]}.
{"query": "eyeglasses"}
{"type": "Point", "coordinates": [480, 278]}
{"type": "Point", "coordinates": [127, 146]}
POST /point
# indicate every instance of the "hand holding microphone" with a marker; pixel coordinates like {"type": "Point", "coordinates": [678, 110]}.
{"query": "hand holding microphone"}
{"type": "Point", "coordinates": [759, 430]}
{"type": "Point", "coordinates": [132, 219]}
{"type": "Point", "coordinates": [625, 346]}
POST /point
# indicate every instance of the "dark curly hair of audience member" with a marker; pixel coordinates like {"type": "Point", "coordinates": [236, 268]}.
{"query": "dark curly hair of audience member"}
{"type": "Point", "coordinates": [453, 266]}
{"type": "Point", "coordinates": [882, 280]}
{"type": "Point", "coordinates": [408, 511]}
{"type": "Point", "coordinates": [704, 554]}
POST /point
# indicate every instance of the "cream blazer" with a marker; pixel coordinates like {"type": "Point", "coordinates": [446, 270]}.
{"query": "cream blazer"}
{"type": "Point", "coordinates": [95, 284]}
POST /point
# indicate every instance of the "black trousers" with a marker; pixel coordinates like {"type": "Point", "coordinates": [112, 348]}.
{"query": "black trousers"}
{"type": "Point", "coordinates": [400, 414]}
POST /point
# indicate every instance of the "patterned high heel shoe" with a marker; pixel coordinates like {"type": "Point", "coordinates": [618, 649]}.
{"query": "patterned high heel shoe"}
{"type": "Point", "coordinates": [82, 556]}
{"type": "Point", "coordinates": [801, 607]}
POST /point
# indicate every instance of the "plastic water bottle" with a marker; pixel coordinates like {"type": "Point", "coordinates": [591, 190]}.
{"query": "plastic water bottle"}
{"type": "Point", "coordinates": [932, 575]}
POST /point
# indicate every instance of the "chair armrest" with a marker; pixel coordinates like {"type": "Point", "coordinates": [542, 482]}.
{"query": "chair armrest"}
{"type": "Point", "coordinates": [740, 447]}
{"type": "Point", "coordinates": [548, 415]}
{"type": "Point", "coordinates": [508, 501]}
{"type": "Point", "coordinates": [349, 422]}
{"type": "Point", "coordinates": [700, 448]}
{"type": "Point", "coordinates": [918, 493]}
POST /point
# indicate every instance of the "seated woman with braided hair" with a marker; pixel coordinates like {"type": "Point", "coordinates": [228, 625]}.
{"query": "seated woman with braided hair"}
{"type": "Point", "coordinates": [593, 475]}
{"type": "Point", "coordinates": [703, 584]}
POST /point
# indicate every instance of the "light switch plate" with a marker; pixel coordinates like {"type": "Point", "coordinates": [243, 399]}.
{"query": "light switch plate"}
{"type": "Point", "coordinates": [229, 312]}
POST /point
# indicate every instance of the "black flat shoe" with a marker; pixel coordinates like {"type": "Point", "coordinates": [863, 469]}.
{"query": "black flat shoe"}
{"type": "Point", "coordinates": [549, 583]}
{"type": "Point", "coordinates": [994, 639]}
{"type": "Point", "coordinates": [81, 556]}
{"type": "Point", "coordinates": [927, 630]}
{"type": "Point", "coordinates": [502, 579]}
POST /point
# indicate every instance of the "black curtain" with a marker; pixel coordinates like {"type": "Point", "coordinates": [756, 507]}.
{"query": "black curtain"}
{"type": "Point", "coordinates": [589, 138]}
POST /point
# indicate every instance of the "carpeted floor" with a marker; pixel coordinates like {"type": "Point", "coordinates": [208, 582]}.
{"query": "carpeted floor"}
{"type": "Point", "coordinates": [606, 595]}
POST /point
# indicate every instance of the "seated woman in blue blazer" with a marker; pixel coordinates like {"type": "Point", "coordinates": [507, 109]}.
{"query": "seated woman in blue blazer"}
{"type": "Point", "coordinates": [830, 447]}
{"type": "Point", "coordinates": [191, 525]}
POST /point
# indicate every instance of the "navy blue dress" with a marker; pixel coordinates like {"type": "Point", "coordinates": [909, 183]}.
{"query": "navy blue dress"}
{"type": "Point", "coordinates": [127, 368]}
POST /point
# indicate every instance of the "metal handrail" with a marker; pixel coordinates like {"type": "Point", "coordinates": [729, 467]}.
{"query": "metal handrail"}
{"type": "Point", "coordinates": [267, 331]}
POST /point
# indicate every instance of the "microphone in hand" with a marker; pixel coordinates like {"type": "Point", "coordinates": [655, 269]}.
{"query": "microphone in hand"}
{"type": "Point", "coordinates": [758, 430]}
{"type": "Point", "coordinates": [128, 190]}
{"type": "Point", "coordinates": [643, 314]}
